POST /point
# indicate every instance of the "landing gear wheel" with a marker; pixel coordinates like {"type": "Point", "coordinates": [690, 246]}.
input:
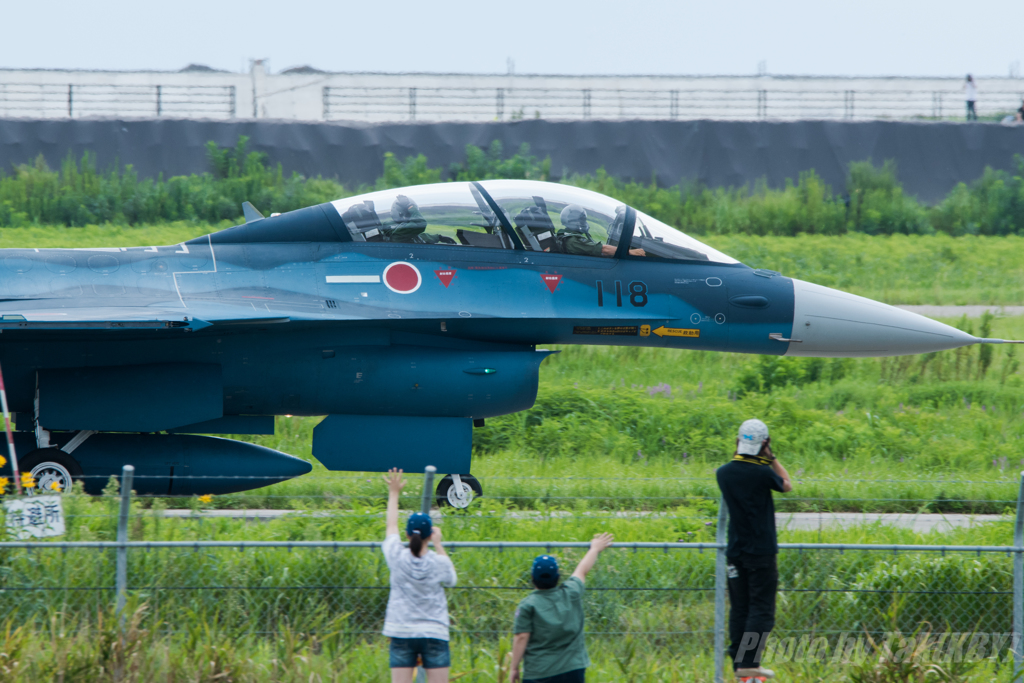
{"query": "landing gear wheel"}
{"type": "Point", "coordinates": [448, 493]}
{"type": "Point", "coordinates": [49, 466]}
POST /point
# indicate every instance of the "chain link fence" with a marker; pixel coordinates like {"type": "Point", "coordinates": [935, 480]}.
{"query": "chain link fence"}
{"type": "Point", "coordinates": [661, 600]}
{"type": "Point", "coordinates": [661, 596]}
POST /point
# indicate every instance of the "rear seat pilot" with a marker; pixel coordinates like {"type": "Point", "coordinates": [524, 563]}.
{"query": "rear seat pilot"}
{"type": "Point", "coordinates": [409, 224]}
{"type": "Point", "coordinates": [574, 237]}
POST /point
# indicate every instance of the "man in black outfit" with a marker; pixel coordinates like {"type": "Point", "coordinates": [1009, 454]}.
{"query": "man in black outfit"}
{"type": "Point", "coordinates": [747, 484]}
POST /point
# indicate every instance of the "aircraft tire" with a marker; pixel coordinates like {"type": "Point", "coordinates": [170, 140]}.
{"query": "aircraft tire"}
{"type": "Point", "coordinates": [444, 487]}
{"type": "Point", "coordinates": [49, 465]}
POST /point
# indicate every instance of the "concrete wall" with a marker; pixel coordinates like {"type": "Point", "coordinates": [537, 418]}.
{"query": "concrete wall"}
{"type": "Point", "coordinates": [371, 97]}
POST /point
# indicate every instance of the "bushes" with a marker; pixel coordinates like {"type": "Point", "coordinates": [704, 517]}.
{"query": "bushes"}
{"type": "Point", "coordinates": [79, 195]}
{"type": "Point", "coordinates": [873, 203]}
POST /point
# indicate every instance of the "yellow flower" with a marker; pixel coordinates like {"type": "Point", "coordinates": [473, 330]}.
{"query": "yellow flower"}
{"type": "Point", "coordinates": [208, 498]}
{"type": "Point", "coordinates": [27, 480]}
{"type": "Point", "coordinates": [55, 485]}
{"type": "Point", "coordinates": [3, 461]}
{"type": "Point", "coordinates": [4, 483]}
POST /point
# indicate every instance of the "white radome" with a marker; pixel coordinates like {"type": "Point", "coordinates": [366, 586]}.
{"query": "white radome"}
{"type": "Point", "coordinates": [828, 323]}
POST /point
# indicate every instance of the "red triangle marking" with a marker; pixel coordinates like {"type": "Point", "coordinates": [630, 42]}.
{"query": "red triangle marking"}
{"type": "Point", "coordinates": [445, 276]}
{"type": "Point", "coordinates": [551, 280]}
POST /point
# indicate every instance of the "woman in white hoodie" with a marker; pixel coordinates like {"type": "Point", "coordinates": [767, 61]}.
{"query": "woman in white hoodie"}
{"type": "Point", "coordinates": [417, 616]}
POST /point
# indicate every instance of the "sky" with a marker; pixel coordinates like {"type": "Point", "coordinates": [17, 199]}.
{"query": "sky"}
{"type": "Point", "coordinates": [733, 37]}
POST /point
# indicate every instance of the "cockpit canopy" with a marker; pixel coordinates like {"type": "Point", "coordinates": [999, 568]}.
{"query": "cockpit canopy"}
{"type": "Point", "coordinates": [535, 216]}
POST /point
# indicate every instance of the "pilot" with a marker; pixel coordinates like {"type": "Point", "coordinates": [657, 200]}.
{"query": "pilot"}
{"type": "Point", "coordinates": [409, 223]}
{"type": "Point", "coordinates": [574, 237]}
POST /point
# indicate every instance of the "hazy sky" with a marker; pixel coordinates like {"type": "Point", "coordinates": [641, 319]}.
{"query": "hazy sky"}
{"type": "Point", "coordinates": [866, 37]}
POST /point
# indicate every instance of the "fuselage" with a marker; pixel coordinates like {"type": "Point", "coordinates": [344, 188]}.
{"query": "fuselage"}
{"type": "Point", "coordinates": [300, 311]}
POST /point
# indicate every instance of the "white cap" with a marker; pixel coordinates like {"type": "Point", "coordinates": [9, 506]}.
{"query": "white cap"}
{"type": "Point", "coordinates": [752, 435]}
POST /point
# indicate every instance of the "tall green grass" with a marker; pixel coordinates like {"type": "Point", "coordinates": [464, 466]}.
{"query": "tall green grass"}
{"type": "Point", "coordinates": [68, 649]}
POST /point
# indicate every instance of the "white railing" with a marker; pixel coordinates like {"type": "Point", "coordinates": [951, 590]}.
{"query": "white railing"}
{"type": "Point", "coordinates": [53, 100]}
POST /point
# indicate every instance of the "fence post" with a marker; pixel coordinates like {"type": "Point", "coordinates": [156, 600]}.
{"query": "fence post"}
{"type": "Point", "coordinates": [127, 475]}
{"type": "Point", "coordinates": [1018, 584]}
{"type": "Point", "coordinates": [428, 489]}
{"type": "Point", "coordinates": [720, 579]}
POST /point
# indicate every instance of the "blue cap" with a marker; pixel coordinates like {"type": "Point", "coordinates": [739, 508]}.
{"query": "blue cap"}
{"type": "Point", "coordinates": [419, 522]}
{"type": "Point", "coordinates": [545, 571]}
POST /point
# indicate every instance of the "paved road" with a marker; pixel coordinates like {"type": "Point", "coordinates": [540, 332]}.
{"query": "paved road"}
{"type": "Point", "coordinates": [921, 523]}
{"type": "Point", "coordinates": [957, 311]}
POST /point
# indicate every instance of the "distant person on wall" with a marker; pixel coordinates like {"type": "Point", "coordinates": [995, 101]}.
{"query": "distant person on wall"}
{"type": "Point", "coordinates": [417, 615]}
{"type": "Point", "coordinates": [1018, 117]}
{"type": "Point", "coordinates": [971, 93]}
{"type": "Point", "coordinates": [548, 629]}
{"type": "Point", "coordinates": [747, 484]}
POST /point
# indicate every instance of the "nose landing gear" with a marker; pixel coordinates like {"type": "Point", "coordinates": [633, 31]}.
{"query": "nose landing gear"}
{"type": "Point", "coordinates": [458, 490]}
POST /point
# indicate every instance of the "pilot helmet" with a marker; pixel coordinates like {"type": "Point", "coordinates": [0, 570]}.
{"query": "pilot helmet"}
{"type": "Point", "coordinates": [401, 210]}
{"type": "Point", "coordinates": [574, 218]}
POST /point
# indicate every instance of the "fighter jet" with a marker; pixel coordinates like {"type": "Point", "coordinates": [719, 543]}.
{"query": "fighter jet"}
{"type": "Point", "coordinates": [405, 316]}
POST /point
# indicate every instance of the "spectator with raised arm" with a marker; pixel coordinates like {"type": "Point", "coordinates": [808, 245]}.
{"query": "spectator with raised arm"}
{"type": "Point", "coordinates": [416, 620]}
{"type": "Point", "coordinates": [549, 638]}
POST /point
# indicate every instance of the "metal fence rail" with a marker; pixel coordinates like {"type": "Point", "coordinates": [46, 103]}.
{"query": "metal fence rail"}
{"type": "Point", "coordinates": [443, 104]}
{"type": "Point", "coordinates": [81, 100]}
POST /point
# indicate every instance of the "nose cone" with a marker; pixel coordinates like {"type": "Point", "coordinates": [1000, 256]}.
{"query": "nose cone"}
{"type": "Point", "coordinates": [834, 324]}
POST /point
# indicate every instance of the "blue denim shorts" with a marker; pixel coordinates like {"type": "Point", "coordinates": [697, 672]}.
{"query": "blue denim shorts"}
{"type": "Point", "coordinates": [435, 653]}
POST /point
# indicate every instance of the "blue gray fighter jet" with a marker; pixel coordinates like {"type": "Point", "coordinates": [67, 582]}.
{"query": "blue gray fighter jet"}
{"type": "Point", "coordinates": [405, 316]}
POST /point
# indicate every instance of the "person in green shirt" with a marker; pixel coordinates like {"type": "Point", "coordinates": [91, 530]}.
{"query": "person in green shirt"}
{"type": "Point", "coordinates": [549, 637]}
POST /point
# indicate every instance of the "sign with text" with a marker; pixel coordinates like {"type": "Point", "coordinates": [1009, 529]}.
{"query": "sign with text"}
{"type": "Point", "coordinates": [34, 517]}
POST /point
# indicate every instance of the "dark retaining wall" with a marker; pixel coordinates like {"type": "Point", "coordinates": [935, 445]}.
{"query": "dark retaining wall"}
{"type": "Point", "coordinates": [932, 157]}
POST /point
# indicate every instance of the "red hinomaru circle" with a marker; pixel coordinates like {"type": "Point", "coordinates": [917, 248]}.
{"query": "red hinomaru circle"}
{"type": "Point", "coordinates": [402, 277]}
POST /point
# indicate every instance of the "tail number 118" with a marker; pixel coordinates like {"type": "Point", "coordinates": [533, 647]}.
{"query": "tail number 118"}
{"type": "Point", "coordinates": [636, 291]}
